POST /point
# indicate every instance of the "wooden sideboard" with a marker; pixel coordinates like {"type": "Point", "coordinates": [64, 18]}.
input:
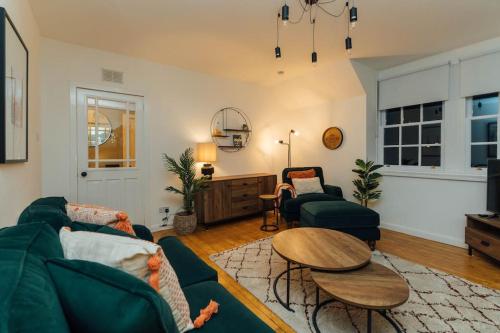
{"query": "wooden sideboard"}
{"type": "Point", "coordinates": [233, 196]}
{"type": "Point", "coordinates": [483, 234]}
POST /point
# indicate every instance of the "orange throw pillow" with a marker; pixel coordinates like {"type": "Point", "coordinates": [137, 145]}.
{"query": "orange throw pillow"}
{"type": "Point", "coordinates": [309, 173]}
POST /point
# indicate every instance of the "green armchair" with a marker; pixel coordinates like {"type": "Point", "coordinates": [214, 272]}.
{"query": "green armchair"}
{"type": "Point", "coordinates": [290, 207]}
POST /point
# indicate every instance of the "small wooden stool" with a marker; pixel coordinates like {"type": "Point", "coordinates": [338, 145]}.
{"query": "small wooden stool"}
{"type": "Point", "coordinates": [266, 198]}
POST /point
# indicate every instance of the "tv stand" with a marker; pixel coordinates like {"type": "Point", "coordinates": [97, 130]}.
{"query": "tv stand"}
{"type": "Point", "coordinates": [483, 234]}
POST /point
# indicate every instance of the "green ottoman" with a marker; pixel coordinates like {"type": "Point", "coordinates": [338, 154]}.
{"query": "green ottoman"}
{"type": "Point", "coordinates": [343, 216]}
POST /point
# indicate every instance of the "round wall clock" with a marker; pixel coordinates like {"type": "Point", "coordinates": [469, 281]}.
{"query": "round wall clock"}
{"type": "Point", "coordinates": [333, 138]}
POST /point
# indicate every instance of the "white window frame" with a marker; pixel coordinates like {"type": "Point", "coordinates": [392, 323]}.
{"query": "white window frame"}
{"type": "Point", "coordinates": [419, 167]}
{"type": "Point", "coordinates": [468, 140]}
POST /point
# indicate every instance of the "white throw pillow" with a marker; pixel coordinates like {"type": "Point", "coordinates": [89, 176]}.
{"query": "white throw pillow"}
{"type": "Point", "coordinates": [307, 185]}
{"type": "Point", "coordinates": [142, 259]}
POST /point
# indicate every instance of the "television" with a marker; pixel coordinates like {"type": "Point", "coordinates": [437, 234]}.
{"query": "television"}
{"type": "Point", "coordinates": [493, 187]}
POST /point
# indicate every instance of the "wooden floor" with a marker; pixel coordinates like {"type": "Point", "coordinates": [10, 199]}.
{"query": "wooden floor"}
{"type": "Point", "coordinates": [450, 259]}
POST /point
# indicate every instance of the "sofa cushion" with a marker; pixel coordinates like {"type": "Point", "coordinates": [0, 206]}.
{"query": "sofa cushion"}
{"type": "Point", "coordinates": [28, 298]}
{"type": "Point", "coordinates": [293, 205]}
{"type": "Point", "coordinates": [97, 298]}
{"type": "Point", "coordinates": [190, 269]}
{"type": "Point", "coordinates": [338, 215]}
{"type": "Point", "coordinates": [56, 202]}
{"type": "Point", "coordinates": [143, 232]}
{"type": "Point", "coordinates": [103, 229]}
{"type": "Point", "coordinates": [43, 213]}
{"type": "Point", "coordinates": [232, 317]}
{"type": "Point", "coordinates": [38, 239]}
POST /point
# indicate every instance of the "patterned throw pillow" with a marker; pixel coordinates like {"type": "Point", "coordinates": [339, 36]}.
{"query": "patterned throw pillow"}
{"type": "Point", "coordinates": [309, 173]}
{"type": "Point", "coordinates": [100, 215]}
{"type": "Point", "coordinates": [142, 259]}
{"type": "Point", "coordinates": [307, 185]}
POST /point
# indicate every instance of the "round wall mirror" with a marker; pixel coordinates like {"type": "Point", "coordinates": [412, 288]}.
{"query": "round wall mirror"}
{"type": "Point", "coordinates": [98, 131]}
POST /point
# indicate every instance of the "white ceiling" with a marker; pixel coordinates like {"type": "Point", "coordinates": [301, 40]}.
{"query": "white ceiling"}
{"type": "Point", "coordinates": [236, 38]}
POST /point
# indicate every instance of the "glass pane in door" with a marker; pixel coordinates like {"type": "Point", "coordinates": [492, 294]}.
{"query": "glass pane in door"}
{"type": "Point", "coordinates": [111, 133]}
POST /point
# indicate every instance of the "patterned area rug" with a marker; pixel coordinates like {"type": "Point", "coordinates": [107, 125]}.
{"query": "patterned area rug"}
{"type": "Point", "coordinates": [439, 302]}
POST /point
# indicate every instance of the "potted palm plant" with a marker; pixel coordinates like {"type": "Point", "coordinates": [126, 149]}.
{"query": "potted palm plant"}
{"type": "Point", "coordinates": [367, 182]}
{"type": "Point", "coordinates": [185, 221]}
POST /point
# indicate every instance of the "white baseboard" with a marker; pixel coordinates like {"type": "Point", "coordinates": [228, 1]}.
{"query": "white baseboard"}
{"type": "Point", "coordinates": [423, 234]}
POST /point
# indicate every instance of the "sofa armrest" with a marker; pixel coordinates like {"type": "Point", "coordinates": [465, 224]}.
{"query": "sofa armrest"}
{"type": "Point", "coordinates": [143, 232]}
{"type": "Point", "coordinates": [333, 190]}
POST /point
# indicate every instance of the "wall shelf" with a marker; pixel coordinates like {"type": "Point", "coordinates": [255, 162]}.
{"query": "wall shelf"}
{"type": "Point", "coordinates": [230, 129]}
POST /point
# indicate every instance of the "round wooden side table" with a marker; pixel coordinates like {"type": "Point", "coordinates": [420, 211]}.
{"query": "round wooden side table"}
{"type": "Point", "coordinates": [266, 200]}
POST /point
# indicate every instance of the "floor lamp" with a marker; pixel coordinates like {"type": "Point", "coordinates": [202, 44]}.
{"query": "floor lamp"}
{"type": "Point", "coordinates": [289, 144]}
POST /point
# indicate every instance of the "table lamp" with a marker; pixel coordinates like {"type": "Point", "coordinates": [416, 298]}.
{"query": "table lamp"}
{"type": "Point", "coordinates": [207, 153]}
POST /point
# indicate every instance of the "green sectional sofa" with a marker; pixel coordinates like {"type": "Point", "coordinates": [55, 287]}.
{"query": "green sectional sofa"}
{"type": "Point", "coordinates": [42, 292]}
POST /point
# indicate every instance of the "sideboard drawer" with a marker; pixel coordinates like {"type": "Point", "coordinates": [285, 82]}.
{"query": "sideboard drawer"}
{"type": "Point", "coordinates": [244, 193]}
{"type": "Point", "coordinates": [483, 242]}
{"type": "Point", "coordinates": [244, 182]}
{"type": "Point", "coordinates": [245, 207]}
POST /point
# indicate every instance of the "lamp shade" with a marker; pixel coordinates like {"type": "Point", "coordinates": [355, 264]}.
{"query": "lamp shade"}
{"type": "Point", "coordinates": [206, 152]}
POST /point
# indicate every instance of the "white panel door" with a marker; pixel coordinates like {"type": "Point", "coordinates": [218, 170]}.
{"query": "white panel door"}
{"type": "Point", "coordinates": [110, 150]}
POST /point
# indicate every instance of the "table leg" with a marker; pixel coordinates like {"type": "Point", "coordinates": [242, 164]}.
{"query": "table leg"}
{"type": "Point", "coordinates": [288, 284]}
{"type": "Point", "coordinates": [383, 313]}
{"type": "Point", "coordinates": [369, 323]}
{"type": "Point", "coordinates": [285, 304]}
{"type": "Point", "coordinates": [316, 310]}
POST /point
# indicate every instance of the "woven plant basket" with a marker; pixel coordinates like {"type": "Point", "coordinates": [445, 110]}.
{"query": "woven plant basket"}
{"type": "Point", "coordinates": [185, 224]}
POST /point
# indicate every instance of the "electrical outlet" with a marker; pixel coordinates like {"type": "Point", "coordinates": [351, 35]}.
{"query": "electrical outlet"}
{"type": "Point", "coordinates": [164, 210]}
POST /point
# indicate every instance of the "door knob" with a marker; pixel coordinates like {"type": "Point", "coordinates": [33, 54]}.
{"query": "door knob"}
{"type": "Point", "coordinates": [84, 174]}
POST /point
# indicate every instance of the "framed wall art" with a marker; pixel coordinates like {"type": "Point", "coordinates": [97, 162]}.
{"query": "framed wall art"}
{"type": "Point", "coordinates": [13, 93]}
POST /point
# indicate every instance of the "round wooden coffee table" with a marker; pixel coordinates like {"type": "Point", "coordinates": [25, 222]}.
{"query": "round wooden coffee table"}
{"type": "Point", "coordinates": [373, 287]}
{"type": "Point", "coordinates": [316, 248]}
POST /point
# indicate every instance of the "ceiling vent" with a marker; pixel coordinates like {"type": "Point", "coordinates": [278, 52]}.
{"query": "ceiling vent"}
{"type": "Point", "coordinates": [109, 75]}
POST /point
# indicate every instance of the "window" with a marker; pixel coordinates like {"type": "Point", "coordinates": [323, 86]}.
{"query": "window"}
{"type": "Point", "coordinates": [412, 135]}
{"type": "Point", "coordinates": [482, 115]}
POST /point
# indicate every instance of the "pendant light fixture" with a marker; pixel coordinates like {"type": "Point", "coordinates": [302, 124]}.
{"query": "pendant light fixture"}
{"type": "Point", "coordinates": [277, 49]}
{"type": "Point", "coordinates": [313, 7]}
{"type": "Point", "coordinates": [314, 55]}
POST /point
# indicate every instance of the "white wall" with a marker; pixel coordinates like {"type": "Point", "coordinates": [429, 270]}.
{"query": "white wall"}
{"type": "Point", "coordinates": [179, 107]}
{"type": "Point", "coordinates": [350, 116]}
{"type": "Point", "coordinates": [432, 208]}
{"type": "Point", "coordinates": [20, 183]}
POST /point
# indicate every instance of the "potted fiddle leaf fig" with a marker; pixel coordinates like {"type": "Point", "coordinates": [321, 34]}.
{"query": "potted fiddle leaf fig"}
{"type": "Point", "coordinates": [185, 221]}
{"type": "Point", "coordinates": [367, 182]}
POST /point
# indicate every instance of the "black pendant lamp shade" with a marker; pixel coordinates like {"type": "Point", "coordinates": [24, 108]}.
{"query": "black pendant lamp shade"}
{"type": "Point", "coordinates": [285, 12]}
{"type": "Point", "coordinates": [348, 44]}
{"type": "Point", "coordinates": [314, 57]}
{"type": "Point", "coordinates": [353, 15]}
{"type": "Point", "coordinates": [277, 52]}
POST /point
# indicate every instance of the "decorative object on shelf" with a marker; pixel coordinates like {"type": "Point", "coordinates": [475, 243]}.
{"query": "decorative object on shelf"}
{"type": "Point", "coordinates": [231, 129]}
{"type": "Point", "coordinates": [207, 153]}
{"type": "Point", "coordinates": [333, 138]}
{"type": "Point", "coordinates": [367, 182]}
{"type": "Point", "coordinates": [14, 100]}
{"type": "Point", "coordinates": [185, 221]}
{"type": "Point", "coordinates": [289, 144]}
{"type": "Point", "coordinates": [237, 140]}
{"type": "Point", "coordinates": [313, 7]}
